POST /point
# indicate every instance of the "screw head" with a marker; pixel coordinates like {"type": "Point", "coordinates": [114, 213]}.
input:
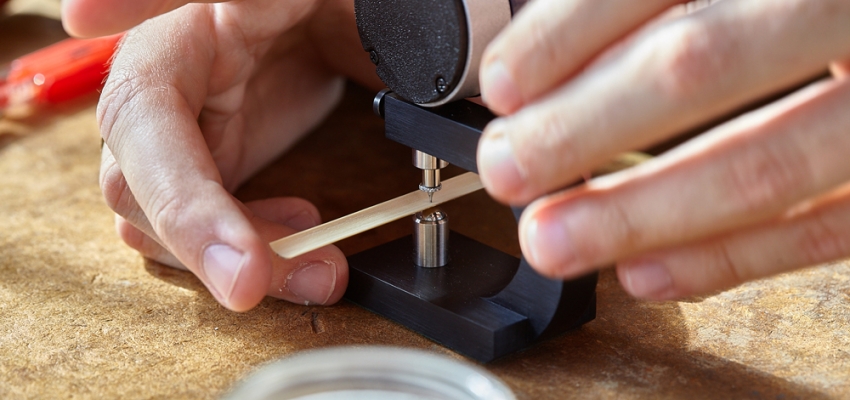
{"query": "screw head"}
{"type": "Point", "coordinates": [442, 85]}
{"type": "Point", "coordinates": [373, 56]}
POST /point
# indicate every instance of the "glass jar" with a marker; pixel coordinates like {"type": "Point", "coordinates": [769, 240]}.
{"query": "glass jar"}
{"type": "Point", "coordinates": [373, 373]}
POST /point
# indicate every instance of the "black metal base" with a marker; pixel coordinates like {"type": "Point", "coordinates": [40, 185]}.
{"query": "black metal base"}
{"type": "Point", "coordinates": [484, 303]}
{"type": "Point", "coordinates": [451, 305]}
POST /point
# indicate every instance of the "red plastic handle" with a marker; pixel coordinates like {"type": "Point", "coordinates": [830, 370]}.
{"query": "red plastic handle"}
{"type": "Point", "coordinates": [63, 71]}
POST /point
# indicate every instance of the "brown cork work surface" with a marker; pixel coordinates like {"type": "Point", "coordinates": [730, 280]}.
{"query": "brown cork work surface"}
{"type": "Point", "coordinates": [83, 316]}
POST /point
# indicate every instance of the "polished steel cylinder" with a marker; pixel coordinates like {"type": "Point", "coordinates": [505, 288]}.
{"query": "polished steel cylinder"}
{"type": "Point", "coordinates": [431, 239]}
{"type": "Point", "coordinates": [431, 178]}
{"type": "Point", "coordinates": [430, 167]}
{"type": "Point", "coordinates": [426, 161]}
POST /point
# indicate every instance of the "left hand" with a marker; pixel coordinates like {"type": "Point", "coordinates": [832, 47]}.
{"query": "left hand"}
{"type": "Point", "coordinates": [580, 81]}
{"type": "Point", "coordinates": [198, 100]}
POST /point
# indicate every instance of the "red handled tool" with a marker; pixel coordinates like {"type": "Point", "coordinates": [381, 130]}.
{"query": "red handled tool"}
{"type": "Point", "coordinates": [54, 74]}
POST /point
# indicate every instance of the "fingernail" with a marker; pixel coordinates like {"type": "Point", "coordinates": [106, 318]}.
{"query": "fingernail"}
{"type": "Point", "coordinates": [647, 279]}
{"type": "Point", "coordinates": [222, 264]}
{"type": "Point", "coordinates": [498, 88]}
{"type": "Point", "coordinates": [313, 283]}
{"type": "Point", "coordinates": [548, 247]}
{"type": "Point", "coordinates": [497, 165]}
{"type": "Point", "coordinates": [301, 221]}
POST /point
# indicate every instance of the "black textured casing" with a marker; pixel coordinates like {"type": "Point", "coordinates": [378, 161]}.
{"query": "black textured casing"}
{"type": "Point", "coordinates": [418, 47]}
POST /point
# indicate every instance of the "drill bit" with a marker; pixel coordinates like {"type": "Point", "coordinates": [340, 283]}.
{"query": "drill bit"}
{"type": "Point", "coordinates": [430, 167]}
{"type": "Point", "coordinates": [430, 182]}
{"type": "Point", "coordinates": [430, 191]}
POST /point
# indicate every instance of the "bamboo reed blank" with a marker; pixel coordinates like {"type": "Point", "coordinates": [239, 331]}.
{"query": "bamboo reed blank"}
{"type": "Point", "coordinates": [311, 239]}
{"type": "Point", "coordinates": [372, 217]}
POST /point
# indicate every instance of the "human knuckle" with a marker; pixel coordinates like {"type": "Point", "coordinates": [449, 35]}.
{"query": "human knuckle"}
{"type": "Point", "coordinates": [547, 143]}
{"type": "Point", "coordinates": [119, 99]}
{"type": "Point", "coordinates": [764, 176]}
{"type": "Point", "coordinates": [620, 238]}
{"type": "Point", "coordinates": [165, 210]}
{"type": "Point", "coordinates": [547, 130]}
{"type": "Point", "coordinates": [622, 227]}
{"type": "Point", "coordinates": [821, 241]}
{"type": "Point", "coordinates": [545, 47]}
{"type": "Point", "coordinates": [691, 56]}
{"type": "Point", "coordinates": [731, 270]}
{"type": "Point", "coordinates": [552, 130]}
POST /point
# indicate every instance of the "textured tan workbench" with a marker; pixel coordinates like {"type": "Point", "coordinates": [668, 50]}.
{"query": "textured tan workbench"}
{"type": "Point", "coordinates": [83, 316]}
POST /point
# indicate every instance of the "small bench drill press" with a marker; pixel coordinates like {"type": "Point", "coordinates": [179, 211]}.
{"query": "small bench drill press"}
{"type": "Point", "coordinates": [463, 294]}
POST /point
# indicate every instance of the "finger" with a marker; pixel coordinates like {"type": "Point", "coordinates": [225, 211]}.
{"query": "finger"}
{"type": "Point", "coordinates": [144, 244]}
{"type": "Point", "coordinates": [318, 277]}
{"type": "Point", "coordinates": [818, 233]}
{"type": "Point", "coordinates": [89, 18]}
{"type": "Point", "coordinates": [297, 214]}
{"type": "Point", "coordinates": [159, 84]}
{"type": "Point", "coordinates": [840, 69]}
{"type": "Point", "coordinates": [741, 173]}
{"type": "Point", "coordinates": [120, 199]}
{"type": "Point", "coordinates": [671, 78]}
{"type": "Point", "coordinates": [550, 40]}
{"type": "Point", "coordinates": [167, 164]}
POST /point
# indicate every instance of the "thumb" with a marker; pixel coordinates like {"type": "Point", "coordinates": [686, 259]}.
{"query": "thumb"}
{"type": "Point", "coordinates": [89, 18]}
{"type": "Point", "coordinates": [318, 277]}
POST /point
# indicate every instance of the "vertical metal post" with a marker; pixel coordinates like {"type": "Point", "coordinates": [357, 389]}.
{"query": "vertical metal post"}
{"type": "Point", "coordinates": [431, 239]}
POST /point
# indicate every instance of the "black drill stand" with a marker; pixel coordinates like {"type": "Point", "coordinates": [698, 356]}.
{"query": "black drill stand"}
{"type": "Point", "coordinates": [484, 303]}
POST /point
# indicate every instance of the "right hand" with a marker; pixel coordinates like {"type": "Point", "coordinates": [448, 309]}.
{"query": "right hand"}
{"type": "Point", "coordinates": [579, 81]}
{"type": "Point", "coordinates": [198, 100]}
